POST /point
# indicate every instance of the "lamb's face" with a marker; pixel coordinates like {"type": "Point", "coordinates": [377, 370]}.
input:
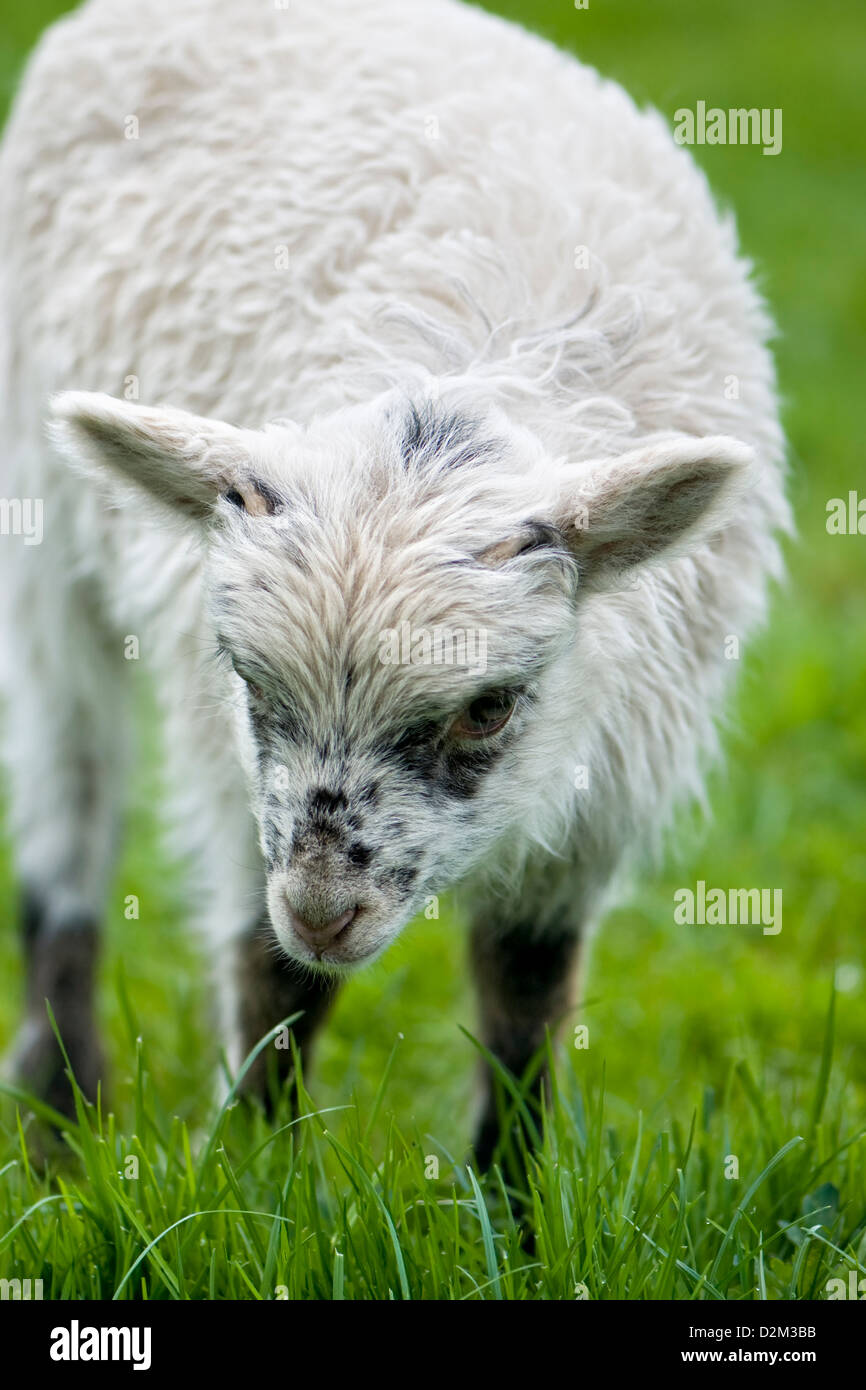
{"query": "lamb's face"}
{"type": "Point", "coordinates": [394, 593]}
{"type": "Point", "coordinates": [391, 626]}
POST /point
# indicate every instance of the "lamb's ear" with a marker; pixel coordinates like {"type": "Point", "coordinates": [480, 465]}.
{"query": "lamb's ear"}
{"type": "Point", "coordinates": [184, 460]}
{"type": "Point", "coordinates": [628, 510]}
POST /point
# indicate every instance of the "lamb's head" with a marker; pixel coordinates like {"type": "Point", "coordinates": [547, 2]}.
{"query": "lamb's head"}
{"type": "Point", "coordinates": [394, 594]}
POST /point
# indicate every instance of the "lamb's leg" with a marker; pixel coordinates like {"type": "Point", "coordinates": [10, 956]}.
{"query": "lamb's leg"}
{"type": "Point", "coordinates": [268, 988]}
{"type": "Point", "coordinates": [256, 986]}
{"type": "Point", "coordinates": [525, 987]}
{"type": "Point", "coordinates": [525, 953]}
{"type": "Point", "coordinates": [61, 951]}
{"type": "Point", "coordinates": [66, 757]}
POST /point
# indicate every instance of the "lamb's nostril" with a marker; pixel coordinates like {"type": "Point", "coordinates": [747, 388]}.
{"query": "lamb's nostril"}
{"type": "Point", "coordinates": [318, 936]}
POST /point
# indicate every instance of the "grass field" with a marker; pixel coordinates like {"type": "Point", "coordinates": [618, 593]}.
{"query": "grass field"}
{"type": "Point", "coordinates": [706, 1044]}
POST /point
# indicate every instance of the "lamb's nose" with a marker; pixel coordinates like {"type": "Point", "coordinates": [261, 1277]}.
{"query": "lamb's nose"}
{"type": "Point", "coordinates": [318, 934]}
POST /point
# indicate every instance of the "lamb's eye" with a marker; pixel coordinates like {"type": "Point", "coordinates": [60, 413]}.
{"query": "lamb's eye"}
{"type": "Point", "coordinates": [485, 716]}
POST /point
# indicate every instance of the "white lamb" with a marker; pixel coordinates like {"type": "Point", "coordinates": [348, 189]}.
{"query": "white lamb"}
{"type": "Point", "coordinates": [498, 388]}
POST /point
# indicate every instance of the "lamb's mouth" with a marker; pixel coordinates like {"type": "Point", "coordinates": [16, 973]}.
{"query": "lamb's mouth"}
{"type": "Point", "coordinates": [335, 962]}
{"type": "Point", "coordinates": [346, 948]}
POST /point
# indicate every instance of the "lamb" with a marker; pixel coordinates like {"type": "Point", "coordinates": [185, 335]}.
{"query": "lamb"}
{"type": "Point", "coordinates": [320, 321]}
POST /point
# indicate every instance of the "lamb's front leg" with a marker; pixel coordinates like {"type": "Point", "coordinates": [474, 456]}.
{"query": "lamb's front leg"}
{"type": "Point", "coordinates": [267, 987]}
{"type": "Point", "coordinates": [258, 986]}
{"type": "Point", "coordinates": [525, 953]}
{"type": "Point", "coordinates": [525, 983]}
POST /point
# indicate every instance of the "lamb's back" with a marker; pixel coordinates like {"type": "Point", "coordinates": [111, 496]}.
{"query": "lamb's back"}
{"type": "Point", "coordinates": [223, 201]}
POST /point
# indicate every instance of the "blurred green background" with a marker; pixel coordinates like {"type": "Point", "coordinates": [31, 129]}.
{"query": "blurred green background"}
{"type": "Point", "coordinates": [669, 1007]}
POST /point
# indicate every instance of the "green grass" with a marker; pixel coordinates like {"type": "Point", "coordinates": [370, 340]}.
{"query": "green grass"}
{"type": "Point", "coordinates": [703, 1042]}
{"type": "Point", "coordinates": [346, 1202]}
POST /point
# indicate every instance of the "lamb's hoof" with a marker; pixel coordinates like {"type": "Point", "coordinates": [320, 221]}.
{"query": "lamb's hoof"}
{"type": "Point", "coordinates": [38, 1066]}
{"type": "Point", "coordinates": [485, 1144]}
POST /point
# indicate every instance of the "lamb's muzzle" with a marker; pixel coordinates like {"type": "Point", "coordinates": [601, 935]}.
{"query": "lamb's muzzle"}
{"type": "Point", "coordinates": [322, 936]}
